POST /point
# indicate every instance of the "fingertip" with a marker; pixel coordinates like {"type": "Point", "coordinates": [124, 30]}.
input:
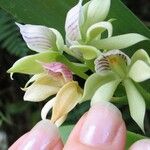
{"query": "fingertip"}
{"type": "Point", "coordinates": [141, 145]}
{"type": "Point", "coordinates": [44, 135]}
{"type": "Point", "coordinates": [18, 142]}
{"type": "Point", "coordinates": [102, 127]}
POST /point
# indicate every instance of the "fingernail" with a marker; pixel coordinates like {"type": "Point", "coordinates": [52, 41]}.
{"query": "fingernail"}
{"type": "Point", "coordinates": [101, 125]}
{"type": "Point", "coordinates": [141, 145]}
{"type": "Point", "coordinates": [41, 136]}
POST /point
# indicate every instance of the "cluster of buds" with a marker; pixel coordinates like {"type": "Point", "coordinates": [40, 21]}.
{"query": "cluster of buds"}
{"type": "Point", "coordinates": [85, 40]}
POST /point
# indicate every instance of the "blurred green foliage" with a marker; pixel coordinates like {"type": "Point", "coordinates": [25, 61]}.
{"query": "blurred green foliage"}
{"type": "Point", "coordinates": [10, 36]}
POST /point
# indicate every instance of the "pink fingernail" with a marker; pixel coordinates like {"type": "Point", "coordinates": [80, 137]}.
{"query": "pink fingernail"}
{"type": "Point", "coordinates": [141, 145]}
{"type": "Point", "coordinates": [41, 136]}
{"type": "Point", "coordinates": [101, 125]}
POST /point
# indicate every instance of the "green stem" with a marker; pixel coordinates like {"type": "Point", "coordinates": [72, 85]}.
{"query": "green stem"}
{"type": "Point", "coordinates": [90, 65]}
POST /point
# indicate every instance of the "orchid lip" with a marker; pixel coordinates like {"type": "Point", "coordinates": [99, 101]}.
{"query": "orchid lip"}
{"type": "Point", "coordinates": [114, 60]}
{"type": "Point", "coordinates": [58, 70]}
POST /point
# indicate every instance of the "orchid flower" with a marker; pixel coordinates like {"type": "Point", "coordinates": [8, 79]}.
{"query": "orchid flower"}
{"type": "Point", "coordinates": [48, 83]}
{"type": "Point", "coordinates": [85, 39]}
{"type": "Point", "coordinates": [115, 67]}
{"type": "Point", "coordinates": [56, 79]}
{"type": "Point", "coordinates": [84, 29]}
{"type": "Point", "coordinates": [85, 26]}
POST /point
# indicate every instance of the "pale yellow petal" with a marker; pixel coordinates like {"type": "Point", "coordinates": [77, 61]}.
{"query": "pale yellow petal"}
{"type": "Point", "coordinates": [66, 99]}
{"type": "Point", "coordinates": [41, 89]}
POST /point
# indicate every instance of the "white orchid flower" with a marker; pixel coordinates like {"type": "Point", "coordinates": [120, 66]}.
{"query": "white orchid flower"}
{"type": "Point", "coordinates": [85, 26]}
{"type": "Point", "coordinates": [48, 83]}
{"type": "Point", "coordinates": [56, 79]}
{"type": "Point", "coordinates": [115, 67]}
{"type": "Point", "coordinates": [84, 29]}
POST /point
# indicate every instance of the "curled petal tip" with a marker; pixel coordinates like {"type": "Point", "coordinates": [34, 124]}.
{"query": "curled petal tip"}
{"type": "Point", "coordinates": [47, 108]}
{"type": "Point", "coordinates": [11, 76]}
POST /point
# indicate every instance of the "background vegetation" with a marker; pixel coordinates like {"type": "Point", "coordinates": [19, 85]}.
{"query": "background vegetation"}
{"type": "Point", "coordinates": [17, 116]}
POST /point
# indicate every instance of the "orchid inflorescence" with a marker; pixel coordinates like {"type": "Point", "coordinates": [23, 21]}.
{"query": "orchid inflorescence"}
{"type": "Point", "coordinates": [86, 40]}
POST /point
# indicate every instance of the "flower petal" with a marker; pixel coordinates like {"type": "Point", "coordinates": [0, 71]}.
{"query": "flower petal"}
{"type": "Point", "coordinates": [140, 55]}
{"type": "Point", "coordinates": [40, 38]}
{"type": "Point", "coordinates": [59, 40]}
{"type": "Point", "coordinates": [66, 99]}
{"type": "Point", "coordinates": [119, 42]}
{"type": "Point", "coordinates": [98, 11]}
{"type": "Point", "coordinates": [59, 69]}
{"type": "Point", "coordinates": [33, 79]}
{"type": "Point", "coordinates": [105, 92]}
{"type": "Point", "coordinates": [97, 29]}
{"type": "Point", "coordinates": [136, 103]}
{"type": "Point", "coordinates": [85, 9]}
{"type": "Point", "coordinates": [23, 65]}
{"type": "Point", "coordinates": [42, 89]}
{"type": "Point", "coordinates": [74, 19]}
{"type": "Point", "coordinates": [139, 71]}
{"type": "Point", "coordinates": [87, 52]}
{"type": "Point", "coordinates": [47, 108]}
{"type": "Point", "coordinates": [94, 82]}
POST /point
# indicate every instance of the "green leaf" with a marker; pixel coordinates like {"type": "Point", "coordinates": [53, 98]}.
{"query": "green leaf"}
{"type": "Point", "coordinates": [136, 103]}
{"type": "Point", "coordinates": [131, 137]}
{"type": "Point", "coordinates": [127, 22]}
{"type": "Point", "coordinates": [94, 82]}
{"type": "Point", "coordinates": [30, 64]}
{"type": "Point", "coordinates": [39, 12]}
{"type": "Point", "coordinates": [10, 36]}
{"type": "Point", "coordinates": [119, 42]}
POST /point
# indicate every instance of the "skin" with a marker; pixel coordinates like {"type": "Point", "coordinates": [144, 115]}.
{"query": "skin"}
{"type": "Point", "coordinates": [101, 128]}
